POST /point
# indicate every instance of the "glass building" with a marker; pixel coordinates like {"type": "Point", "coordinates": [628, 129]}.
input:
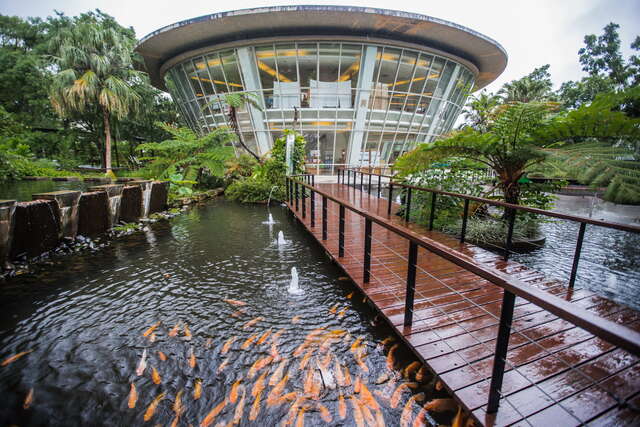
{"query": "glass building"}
{"type": "Point", "coordinates": [362, 85]}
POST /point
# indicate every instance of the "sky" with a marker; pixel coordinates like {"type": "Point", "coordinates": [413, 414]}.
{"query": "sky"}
{"type": "Point", "coordinates": [533, 32]}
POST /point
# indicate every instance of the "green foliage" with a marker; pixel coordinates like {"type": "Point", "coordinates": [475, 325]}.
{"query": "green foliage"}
{"type": "Point", "coordinates": [239, 167]}
{"type": "Point", "coordinates": [534, 87]}
{"type": "Point", "coordinates": [253, 190]}
{"type": "Point", "coordinates": [188, 154]}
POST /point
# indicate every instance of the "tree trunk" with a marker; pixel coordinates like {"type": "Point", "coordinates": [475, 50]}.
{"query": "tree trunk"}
{"type": "Point", "coordinates": [233, 118]}
{"type": "Point", "coordinates": [107, 142]}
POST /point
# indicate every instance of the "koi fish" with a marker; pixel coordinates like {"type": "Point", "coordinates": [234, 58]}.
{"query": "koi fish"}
{"type": "Point", "coordinates": [333, 309]}
{"type": "Point", "coordinates": [151, 409]}
{"type": "Point", "coordinates": [15, 357]}
{"type": "Point", "coordinates": [391, 360]}
{"type": "Point", "coordinates": [367, 398]}
{"type": "Point", "coordinates": [142, 365]}
{"type": "Point", "coordinates": [274, 352]}
{"type": "Point", "coordinates": [295, 319]}
{"type": "Point", "coordinates": [441, 405]}
{"type": "Point", "coordinates": [223, 365]}
{"type": "Point", "coordinates": [237, 313]}
{"type": "Point", "coordinates": [228, 343]}
{"type": "Point", "coordinates": [155, 376]}
{"type": "Point", "coordinates": [258, 365]}
{"type": "Point", "coordinates": [277, 375]}
{"type": "Point", "coordinates": [309, 338]}
{"type": "Point", "coordinates": [237, 415]}
{"type": "Point", "coordinates": [339, 375]}
{"type": "Point", "coordinates": [368, 416]}
{"type": "Point", "coordinates": [327, 360]}
{"type": "Point", "coordinates": [252, 322]}
{"type": "Point", "coordinates": [316, 386]}
{"type": "Point", "coordinates": [342, 407]}
{"type": "Point", "coordinates": [324, 413]}
{"type": "Point", "coordinates": [151, 329]}
{"type": "Point", "coordinates": [361, 363]}
{"type": "Point", "coordinates": [350, 295]}
{"type": "Point", "coordinates": [28, 400]}
{"type": "Point", "coordinates": [233, 395]}
{"type": "Point", "coordinates": [308, 382]}
{"type": "Point", "coordinates": [174, 331]}
{"type": "Point", "coordinates": [383, 378]}
{"type": "Point", "coordinates": [162, 356]}
{"type": "Point", "coordinates": [264, 337]}
{"type": "Point", "coordinates": [211, 416]}
{"type": "Point", "coordinates": [192, 359]}
{"type": "Point", "coordinates": [421, 374]}
{"type": "Point", "coordinates": [258, 387]}
{"type": "Point", "coordinates": [289, 397]}
{"type": "Point", "coordinates": [255, 408]}
{"type": "Point", "coordinates": [459, 419]}
{"type": "Point", "coordinates": [305, 359]}
{"type": "Point", "coordinates": [347, 376]}
{"type": "Point", "coordinates": [272, 398]}
{"type": "Point", "coordinates": [197, 390]}
{"type": "Point", "coordinates": [357, 412]}
{"type": "Point", "coordinates": [357, 343]}
{"type": "Point", "coordinates": [327, 377]}
{"type": "Point", "coordinates": [235, 302]}
{"type": "Point", "coordinates": [439, 386]}
{"type": "Point", "coordinates": [300, 420]}
{"type": "Point", "coordinates": [387, 340]}
{"type": "Point", "coordinates": [177, 404]}
{"type": "Point", "coordinates": [357, 385]}
{"type": "Point", "coordinates": [407, 411]}
{"type": "Point", "coordinates": [249, 341]}
{"type": "Point", "coordinates": [133, 396]}
{"type": "Point", "coordinates": [411, 367]}
{"type": "Point", "coordinates": [395, 397]}
{"type": "Point", "coordinates": [420, 419]}
{"type": "Point", "coordinates": [187, 333]}
{"type": "Point", "coordinates": [152, 337]}
{"type": "Point", "coordinates": [275, 337]}
{"type": "Point", "coordinates": [342, 312]}
{"type": "Point", "coordinates": [293, 410]}
{"type": "Point", "coordinates": [364, 300]}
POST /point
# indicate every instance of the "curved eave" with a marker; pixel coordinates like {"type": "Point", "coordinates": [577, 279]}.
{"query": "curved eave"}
{"type": "Point", "coordinates": [289, 21]}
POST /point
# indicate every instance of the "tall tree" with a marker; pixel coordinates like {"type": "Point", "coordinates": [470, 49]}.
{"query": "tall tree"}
{"type": "Point", "coordinates": [479, 110]}
{"type": "Point", "coordinates": [534, 87]}
{"type": "Point", "coordinates": [95, 73]}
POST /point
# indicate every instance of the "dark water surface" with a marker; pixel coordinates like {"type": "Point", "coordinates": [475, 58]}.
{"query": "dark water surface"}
{"type": "Point", "coordinates": [84, 317]}
{"type": "Point", "coordinates": [22, 190]}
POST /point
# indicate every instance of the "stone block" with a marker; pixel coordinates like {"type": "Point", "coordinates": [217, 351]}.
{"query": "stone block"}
{"type": "Point", "coordinates": [68, 210]}
{"type": "Point", "coordinates": [36, 228]}
{"type": "Point", "coordinates": [7, 209]}
{"type": "Point", "coordinates": [131, 208]}
{"type": "Point", "coordinates": [159, 194]}
{"type": "Point", "coordinates": [93, 213]}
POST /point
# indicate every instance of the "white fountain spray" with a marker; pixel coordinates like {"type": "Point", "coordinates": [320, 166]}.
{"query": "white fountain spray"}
{"type": "Point", "coordinates": [281, 240]}
{"type": "Point", "coordinates": [294, 287]}
{"type": "Point", "coordinates": [270, 220]}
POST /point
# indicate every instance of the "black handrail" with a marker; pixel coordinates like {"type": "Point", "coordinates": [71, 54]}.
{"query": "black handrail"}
{"type": "Point", "coordinates": [612, 332]}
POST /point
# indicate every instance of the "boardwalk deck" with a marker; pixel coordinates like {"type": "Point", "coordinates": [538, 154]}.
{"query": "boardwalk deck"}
{"type": "Point", "coordinates": [556, 374]}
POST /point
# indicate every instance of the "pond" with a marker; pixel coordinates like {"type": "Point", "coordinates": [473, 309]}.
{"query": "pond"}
{"type": "Point", "coordinates": [204, 296]}
{"type": "Point", "coordinates": [22, 190]}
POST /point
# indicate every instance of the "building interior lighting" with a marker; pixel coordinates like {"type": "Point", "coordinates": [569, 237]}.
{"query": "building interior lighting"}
{"type": "Point", "coordinates": [273, 73]}
{"type": "Point", "coordinates": [219, 82]}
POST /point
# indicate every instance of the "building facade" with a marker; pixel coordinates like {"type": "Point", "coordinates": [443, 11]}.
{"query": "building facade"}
{"type": "Point", "coordinates": [362, 85]}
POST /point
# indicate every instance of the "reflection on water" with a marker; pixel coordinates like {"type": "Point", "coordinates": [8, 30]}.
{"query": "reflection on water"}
{"type": "Point", "coordinates": [209, 291]}
{"type": "Point", "coordinates": [22, 190]}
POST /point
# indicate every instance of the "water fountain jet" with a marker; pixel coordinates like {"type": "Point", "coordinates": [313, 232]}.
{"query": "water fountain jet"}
{"type": "Point", "coordinates": [281, 240]}
{"type": "Point", "coordinates": [294, 287]}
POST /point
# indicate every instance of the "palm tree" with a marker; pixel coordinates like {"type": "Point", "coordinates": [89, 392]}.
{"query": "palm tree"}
{"type": "Point", "coordinates": [480, 109]}
{"type": "Point", "coordinates": [95, 74]}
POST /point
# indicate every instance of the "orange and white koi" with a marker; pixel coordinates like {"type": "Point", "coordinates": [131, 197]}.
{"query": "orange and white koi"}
{"type": "Point", "coordinates": [192, 359]}
{"type": "Point", "coordinates": [258, 365]}
{"type": "Point", "coordinates": [152, 337]}
{"type": "Point", "coordinates": [237, 415]}
{"type": "Point", "coordinates": [350, 295]}
{"type": "Point", "coordinates": [295, 319]}
{"type": "Point", "coordinates": [277, 375]}
{"type": "Point", "coordinates": [197, 389]}
{"type": "Point", "coordinates": [245, 345]}
{"type": "Point", "coordinates": [289, 397]}
{"type": "Point", "coordinates": [228, 343]}
{"type": "Point", "coordinates": [174, 331]}
{"type": "Point", "coordinates": [347, 376]}
{"type": "Point", "coordinates": [255, 408]}
{"type": "Point", "coordinates": [357, 412]}
{"type": "Point", "coordinates": [293, 411]}
{"type": "Point", "coordinates": [395, 397]}
{"type": "Point", "coordinates": [15, 357]}
{"type": "Point", "coordinates": [333, 309]}
{"type": "Point", "coordinates": [223, 365]}
{"type": "Point", "coordinates": [324, 413]}
{"type": "Point", "coordinates": [339, 375]}
{"type": "Point", "coordinates": [238, 313]}
{"type": "Point", "coordinates": [142, 365]}
{"type": "Point", "coordinates": [177, 403]}
{"type": "Point", "coordinates": [252, 322]}
{"type": "Point", "coordinates": [361, 363]}
{"type": "Point", "coordinates": [420, 375]}
{"type": "Point", "coordinates": [342, 312]}
{"type": "Point", "coordinates": [162, 356]}
{"type": "Point", "coordinates": [459, 419]}
{"type": "Point", "coordinates": [274, 352]}
{"type": "Point", "coordinates": [151, 329]}
{"type": "Point", "coordinates": [342, 407]}
{"type": "Point", "coordinates": [420, 419]}
{"type": "Point", "coordinates": [407, 411]}
{"type": "Point", "coordinates": [28, 400]}
{"type": "Point", "coordinates": [411, 367]}
{"type": "Point", "coordinates": [133, 396]}
{"type": "Point", "coordinates": [308, 339]}
{"type": "Point", "coordinates": [368, 415]}
{"type": "Point", "coordinates": [357, 344]}
{"type": "Point", "coordinates": [155, 376]}
{"type": "Point", "coordinates": [233, 395]}
{"type": "Point", "coordinates": [258, 387]}
{"type": "Point", "coordinates": [439, 386]}
{"type": "Point", "coordinates": [357, 385]}
{"type": "Point", "coordinates": [316, 386]}
{"type": "Point", "coordinates": [151, 409]}
{"type": "Point", "coordinates": [235, 302]}
{"type": "Point", "coordinates": [187, 333]}
{"type": "Point", "coordinates": [300, 419]}
{"type": "Point", "coordinates": [387, 340]}
{"type": "Point", "coordinates": [264, 336]}
{"type": "Point", "coordinates": [391, 360]}
{"type": "Point", "coordinates": [367, 398]}
{"type": "Point", "coordinates": [441, 405]}
{"type": "Point", "coordinates": [211, 416]}
{"type": "Point", "coordinates": [274, 395]}
{"type": "Point", "coordinates": [308, 382]}
{"type": "Point", "coordinates": [305, 359]}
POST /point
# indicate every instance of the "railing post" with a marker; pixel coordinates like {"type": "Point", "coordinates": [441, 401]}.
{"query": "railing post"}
{"type": "Point", "coordinates": [433, 210]}
{"type": "Point", "coordinates": [390, 201]}
{"type": "Point", "coordinates": [411, 283]}
{"type": "Point", "coordinates": [366, 274]}
{"type": "Point", "coordinates": [508, 243]}
{"type": "Point", "coordinates": [295, 183]}
{"type": "Point", "coordinates": [341, 233]}
{"type": "Point", "coordinates": [407, 211]}
{"type": "Point", "coordinates": [313, 180]}
{"type": "Point", "coordinates": [379, 185]}
{"type": "Point", "coordinates": [324, 217]}
{"type": "Point", "coordinates": [465, 215]}
{"type": "Point", "coordinates": [304, 201]}
{"type": "Point", "coordinates": [369, 186]}
{"type": "Point", "coordinates": [313, 208]}
{"type": "Point", "coordinates": [361, 180]}
{"type": "Point", "coordinates": [576, 255]}
{"type": "Point", "coordinates": [502, 345]}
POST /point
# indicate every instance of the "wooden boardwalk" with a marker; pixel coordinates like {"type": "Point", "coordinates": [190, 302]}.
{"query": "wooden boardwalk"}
{"type": "Point", "coordinates": [556, 375]}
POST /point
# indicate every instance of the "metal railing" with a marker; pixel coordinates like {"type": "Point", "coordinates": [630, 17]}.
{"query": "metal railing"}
{"type": "Point", "coordinates": [610, 331]}
{"type": "Point", "coordinates": [345, 176]}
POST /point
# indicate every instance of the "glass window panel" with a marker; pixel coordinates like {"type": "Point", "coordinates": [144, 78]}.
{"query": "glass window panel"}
{"type": "Point", "coordinates": [422, 68]}
{"type": "Point", "coordinates": [342, 141]}
{"type": "Point", "coordinates": [215, 73]}
{"type": "Point", "coordinates": [286, 62]}
{"type": "Point", "coordinates": [231, 71]}
{"type": "Point", "coordinates": [307, 63]}
{"type": "Point", "coordinates": [444, 80]}
{"type": "Point", "coordinates": [325, 146]}
{"type": "Point", "coordinates": [388, 65]}
{"type": "Point", "coordinates": [371, 155]}
{"type": "Point", "coordinates": [203, 77]}
{"type": "Point", "coordinates": [405, 71]}
{"type": "Point", "coordinates": [329, 62]}
{"type": "Point", "coordinates": [350, 64]}
{"type": "Point", "coordinates": [397, 101]}
{"type": "Point", "coordinates": [434, 75]}
{"type": "Point", "coordinates": [266, 61]}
